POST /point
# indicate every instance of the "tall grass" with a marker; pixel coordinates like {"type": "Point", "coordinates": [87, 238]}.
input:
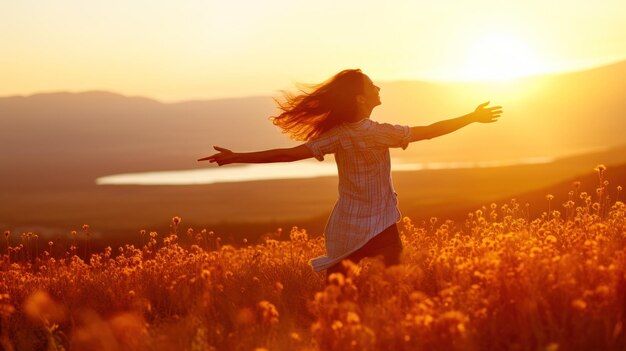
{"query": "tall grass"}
{"type": "Point", "coordinates": [498, 281]}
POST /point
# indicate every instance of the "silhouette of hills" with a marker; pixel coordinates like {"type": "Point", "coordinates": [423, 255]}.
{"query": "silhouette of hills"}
{"type": "Point", "coordinates": [73, 138]}
{"type": "Point", "coordinates": [82, 136]}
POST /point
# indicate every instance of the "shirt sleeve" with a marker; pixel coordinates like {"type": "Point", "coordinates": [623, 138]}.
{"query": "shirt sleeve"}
{"type": "Point", "coordinates": [324, 144]}
{"type": "Point", "coordinates": [390, 135]}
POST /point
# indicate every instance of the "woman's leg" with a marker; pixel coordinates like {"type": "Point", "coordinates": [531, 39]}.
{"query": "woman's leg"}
{"type": "Point", "coordinates": [387, 243]}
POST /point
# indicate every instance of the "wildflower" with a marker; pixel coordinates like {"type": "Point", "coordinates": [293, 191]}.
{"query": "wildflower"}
{"type": "Point", "coordinates": [600, 168]}
{"type": "Point", "coordinates": [619, 188]}
{"type": "Point", "coordinates": [549, 197]}
{"type": "Point", "coordinates": [127, 327]}
{"type": "Point", "coordinates": [39, 306]}
{"type": "Point", "coordinates": [269, 314]}
{"type": "Point", "coordinates": [7, 233]}
{"type": "Point", "coordinates": [337, 279]}
{"type": "Point", "coordinates": [576, 184]}
{"type": "Point", "coordinates": [85, 227]}
{"type": "Point", "coordinates": [579, 304]}
{"type": "Point", "coordinates": [602, 291]}
{"type": "Point", "coordinates": [428, 320]}
{"type": "Point", "coordinates": [551, 239]}
{"type": "Point", "coordinates": [295, 336]}
{"type": "Point", "coordinates": [6, 310]}
{"type": "Point", "coordinates": [353, 318]}
{"type": "Point", "coordinates": [552, 347]}
{"type": "Point", "coordinates": [176, 220]}
{"type": "Point", "coordinates": [336, 325]}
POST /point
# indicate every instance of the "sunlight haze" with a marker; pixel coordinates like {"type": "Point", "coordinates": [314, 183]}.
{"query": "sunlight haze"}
{"type": "Point", "coordinates": [183, 50]}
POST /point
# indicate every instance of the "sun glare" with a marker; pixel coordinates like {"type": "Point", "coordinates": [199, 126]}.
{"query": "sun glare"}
{"type": "Point", "coordinates": [498, 57]}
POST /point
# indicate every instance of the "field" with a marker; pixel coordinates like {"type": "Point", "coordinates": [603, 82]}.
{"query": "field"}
{"type": "Point", "coordinates": [251, 209]}
{"type": "Point", "coordinates": [500, 279]}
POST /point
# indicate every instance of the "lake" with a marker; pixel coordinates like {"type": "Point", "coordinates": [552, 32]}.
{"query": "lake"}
{"type": "Point", "coordinates": [304, 169]}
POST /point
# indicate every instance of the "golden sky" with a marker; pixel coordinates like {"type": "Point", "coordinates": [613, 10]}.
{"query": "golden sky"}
{"type": "Point", "coordinates": [200, 49]}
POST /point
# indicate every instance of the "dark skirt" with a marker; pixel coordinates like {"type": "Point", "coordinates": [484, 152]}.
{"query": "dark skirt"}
{"type": "Point", "coordinates": [386, 243]}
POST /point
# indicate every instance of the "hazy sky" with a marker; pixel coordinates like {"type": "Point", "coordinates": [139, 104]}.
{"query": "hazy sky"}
{"type": "Point", "coordinates": [193, 49]}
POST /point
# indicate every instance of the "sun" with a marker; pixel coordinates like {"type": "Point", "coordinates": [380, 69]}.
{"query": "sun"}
{"type": "Point", "coordinates": [498, 56]}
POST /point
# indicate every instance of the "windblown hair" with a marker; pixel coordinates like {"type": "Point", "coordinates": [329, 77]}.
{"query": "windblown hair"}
{"type": "Point", "coordinates": [325, 106]}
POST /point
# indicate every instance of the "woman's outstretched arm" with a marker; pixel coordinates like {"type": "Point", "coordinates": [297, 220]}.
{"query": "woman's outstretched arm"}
{"type": "Point", "coordinates": [481, 114]}
{"type": "Point", "coordinates": [225, 156]}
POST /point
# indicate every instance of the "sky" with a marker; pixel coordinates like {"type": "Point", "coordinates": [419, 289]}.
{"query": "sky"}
{"type": "Point", "coordinates": [194, 49]}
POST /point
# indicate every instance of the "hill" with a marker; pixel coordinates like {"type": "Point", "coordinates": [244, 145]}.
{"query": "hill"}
{"type": "Point", "coordinates": [73, 138]}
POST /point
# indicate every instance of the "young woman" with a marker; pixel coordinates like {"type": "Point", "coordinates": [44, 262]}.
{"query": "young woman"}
{"type": "Point", "coordinates": [333, 118]}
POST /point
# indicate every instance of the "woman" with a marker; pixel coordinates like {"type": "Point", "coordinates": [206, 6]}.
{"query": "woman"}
{"type": "Point", "coordinates": [334, 118]}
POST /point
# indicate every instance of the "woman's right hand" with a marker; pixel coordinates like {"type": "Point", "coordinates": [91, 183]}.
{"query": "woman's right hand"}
{"type": "Point", "coordinates": [487, 115]}
{"type": "Point", "coordinates": [223, 157]}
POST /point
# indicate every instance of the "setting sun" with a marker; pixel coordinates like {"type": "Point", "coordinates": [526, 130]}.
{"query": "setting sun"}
{"type": "Point", "coordinates": [499, 56]}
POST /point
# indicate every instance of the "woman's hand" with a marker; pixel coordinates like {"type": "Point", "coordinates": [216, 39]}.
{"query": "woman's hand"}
{"type": "Point", "coordinates": [486, 115]}
{"type": "Point", "coordinates": [223, 157]}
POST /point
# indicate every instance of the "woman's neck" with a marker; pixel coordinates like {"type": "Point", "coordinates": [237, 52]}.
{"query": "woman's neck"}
{"type": "Point", "coordinates": [363, 112]}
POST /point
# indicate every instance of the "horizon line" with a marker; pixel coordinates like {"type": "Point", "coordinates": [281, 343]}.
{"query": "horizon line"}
{"type": "Point", "coordinates": [391, 81]}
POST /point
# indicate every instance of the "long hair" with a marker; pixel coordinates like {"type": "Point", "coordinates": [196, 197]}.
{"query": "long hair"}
{"type": "Point", "coordinates": [326, 105]}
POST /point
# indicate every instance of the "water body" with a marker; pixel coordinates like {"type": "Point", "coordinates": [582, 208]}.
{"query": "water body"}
{"type": "Point", "coordinates": [305, 169]}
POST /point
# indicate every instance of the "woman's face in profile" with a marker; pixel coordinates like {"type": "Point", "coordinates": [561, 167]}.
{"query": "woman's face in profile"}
{"type": "Point", "coordinates": [370, 93]}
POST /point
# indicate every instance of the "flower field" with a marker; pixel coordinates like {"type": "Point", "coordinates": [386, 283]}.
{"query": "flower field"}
{"type": "Point", "coordinates": [497, 281]}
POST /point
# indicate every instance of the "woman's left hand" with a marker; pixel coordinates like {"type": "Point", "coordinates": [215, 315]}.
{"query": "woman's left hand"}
{"type": "Point", "coordinates": [487, 115]}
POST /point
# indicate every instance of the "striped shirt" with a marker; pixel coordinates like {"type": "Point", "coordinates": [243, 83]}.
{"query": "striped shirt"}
{"type": "Point", "coordinates": [367, 202]}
